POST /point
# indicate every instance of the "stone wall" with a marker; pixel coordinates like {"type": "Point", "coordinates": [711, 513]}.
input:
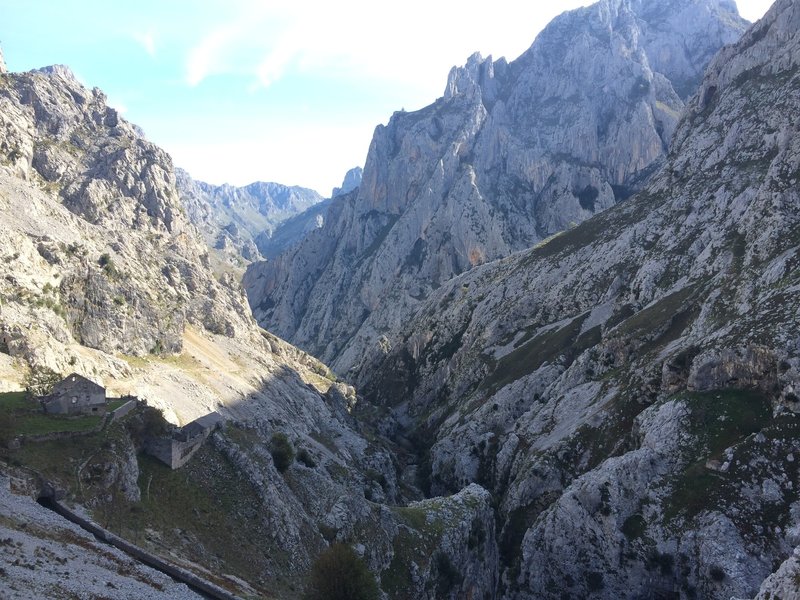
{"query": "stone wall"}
{"type": "Point", "coordinates": [172, 452]}
{"type": "Point", "coordinates": [122, 411]}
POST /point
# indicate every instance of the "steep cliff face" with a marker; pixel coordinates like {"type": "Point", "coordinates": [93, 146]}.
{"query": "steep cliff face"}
{"type": "Point", "coordinates": [510, 154]}
{"type": "Point", "coordinates": [232, 218]}
{"type": "Point", "coordinates": [97, 248]}
{"type": "Point", "coordinates": [627, 388]}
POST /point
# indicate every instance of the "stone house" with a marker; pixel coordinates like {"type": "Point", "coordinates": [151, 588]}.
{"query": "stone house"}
{"type": "Point", "coordinates": [176, 449]}
{"type": "Point", "coordinates": [76, 395]}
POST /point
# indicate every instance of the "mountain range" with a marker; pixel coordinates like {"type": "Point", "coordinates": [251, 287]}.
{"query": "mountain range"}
{"type": "Point", "coordinates": [560, 307]}
{"type": "Point", "coordinates": [511, 154]}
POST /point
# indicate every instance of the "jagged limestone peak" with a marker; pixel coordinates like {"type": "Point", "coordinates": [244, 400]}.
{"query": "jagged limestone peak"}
{"type": "Point", "coordinates": [351, 181]}
{"type": "Point", "coordinates": [62, 71]}
{"type": "Point", "coordinates": [3, 68]}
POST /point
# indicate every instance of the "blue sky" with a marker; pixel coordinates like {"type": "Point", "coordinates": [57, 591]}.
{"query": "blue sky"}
{"type": "Point", "coordinates": [271, 90]}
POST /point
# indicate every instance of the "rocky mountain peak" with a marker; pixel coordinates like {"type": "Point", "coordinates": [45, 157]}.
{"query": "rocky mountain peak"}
{"type": "Point", "coordinates": [478, 75]}
{"type": "Point", "coordinates": [582, 380]}
{"type": "Point", "coordinates": [3, 68]}
{"type": "Point", "coordinates": [511, 154]}
{"type": "Point", "coordinates": [62, 71]}
{"type": "Point", "coordinates": [351, 181]}
{"type": "Point", "coordinates": [232, 218]}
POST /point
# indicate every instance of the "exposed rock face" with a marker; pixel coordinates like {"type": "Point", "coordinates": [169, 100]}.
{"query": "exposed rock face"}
{"type": "Point", "coordinates": [3, 68]}
{"type": "Point", "coordinates": [231, 218]}
{"type": "Point", "coordinates": [290, 233]}
{"type": "Point", "coordinates": [352, 179]}
{"type": "Point", "coordinates": [511, 154]}
{"type": "Point", "coordinates": [783, 583]}
{"type": "Point", "coordinates": [95, 241]}
{"type": "Point", "coordinates": [627, 389]}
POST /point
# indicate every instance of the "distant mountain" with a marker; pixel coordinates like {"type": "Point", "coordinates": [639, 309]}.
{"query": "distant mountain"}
{"type": "Point", "coordinates": [291, 232]}
{"type": "Point", "coordinates": [231, 218]}
{"type": "Point", "coordinates": [511, 154]}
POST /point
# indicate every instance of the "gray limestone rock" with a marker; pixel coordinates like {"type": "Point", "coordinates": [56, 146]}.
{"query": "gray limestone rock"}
{"type": "Point", "coordinates": [352, 179]}
{"type": "Point", "coordinates": [511, 154]}
{"type": "Point", "coordinates": [623, 388]}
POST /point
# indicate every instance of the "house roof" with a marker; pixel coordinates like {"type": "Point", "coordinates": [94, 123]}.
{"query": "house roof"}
{"type": "Point", "coordinates": [74, 379]}
{"type": "Point", "coordinates": [201, 424]}
{"type": "Point", "coordinates": [209, 421]}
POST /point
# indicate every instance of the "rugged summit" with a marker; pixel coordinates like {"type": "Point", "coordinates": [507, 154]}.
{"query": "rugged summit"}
{"type": "Point", "coordinates": [352, 179]}
{"type": "Point", "coordinates": [512, 153]}
{"type": "Point", "coordinates": [232, 218]}
{"type": "Point", "coordinates": [627, 390]}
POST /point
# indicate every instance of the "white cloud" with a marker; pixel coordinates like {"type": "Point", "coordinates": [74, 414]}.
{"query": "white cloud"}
{"type": "Point", "coordinates": [204, 59]}
{"type": "Point", "coordinates": [413, 43]}
{"type": "Point", "coordinates": [117, 105]}
{"type": "Point", "coordinates": [292, 155]}
{"type": "Point", "coordinates": [147, 40]}
{"type": "Point", "coordinates": [753, 9]}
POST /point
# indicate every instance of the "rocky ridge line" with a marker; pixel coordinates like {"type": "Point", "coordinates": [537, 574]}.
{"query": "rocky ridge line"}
{"type": "Point", "coordinates": [512, 153]}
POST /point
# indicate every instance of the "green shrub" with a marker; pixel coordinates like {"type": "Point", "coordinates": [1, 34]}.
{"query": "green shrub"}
{"type": "Point", "coordinates": [109, 268]}
{"type": "Point", "coordinates": [149, 422]}
{"type": "Point", "coordinates": [339, 574]}
{"type": "Point", "coordinates": [594, 581]}
{"type": "Point", "coordinates": [282, 451]}
{"type": "Point", "coordinates": [305, 457]}
{"type": "Point", "coordinates": [447, 576]}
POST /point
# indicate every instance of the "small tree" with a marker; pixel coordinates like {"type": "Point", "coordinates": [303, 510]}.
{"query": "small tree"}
{"type": "Point", "coordinates": [282, 451]}
{"type": "Point", "coordinates": [339, 574]}
{"type": "Point", "coordinates": [40, 381]}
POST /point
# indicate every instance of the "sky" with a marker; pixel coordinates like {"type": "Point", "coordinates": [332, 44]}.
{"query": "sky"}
{"type": "Point", "coordinates": [270, 90]}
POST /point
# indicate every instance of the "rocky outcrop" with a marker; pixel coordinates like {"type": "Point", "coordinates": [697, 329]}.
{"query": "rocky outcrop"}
{"type": "Point", "coordinates": [512, 153]}
{"type": "Point", "coordinates": [626, 389]}
{"type": "Point", "coordinates": [783, 583]}
{"type": "Point", "coordinates": [352, 179]}
{"type": "Point", "coordinates": [232, 218]}
{"type": "Point", "coordinates": [97, 250]}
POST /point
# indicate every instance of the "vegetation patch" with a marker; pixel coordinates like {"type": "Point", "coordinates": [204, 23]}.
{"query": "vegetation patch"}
{"type": "Point", "coordinates": [657, 315]}
{"type": "Point", "coordinates": [546, 347]}
{"type": "Point", "coordinates": [416, 541]}
{"type": "Point", "coordinates": [339, 574]}
{"type": "Point", "coordinates": [20, 415]}
{"type": "Point", "coordinates": [282, 451]}
{"type": "Point", "coordinates": [634, 527]}
{"type": "Point", "coordinates": [207, 510]}
{"type": "Point", "coordinates": [719, 420]}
